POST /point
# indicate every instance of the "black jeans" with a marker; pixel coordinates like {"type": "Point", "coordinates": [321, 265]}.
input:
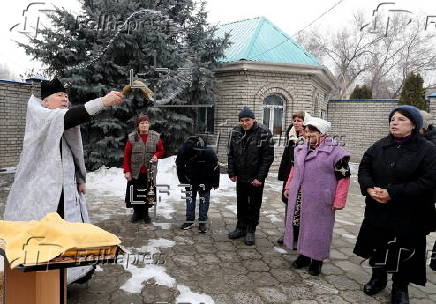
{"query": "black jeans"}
{"type": "Point", "coordinates": [249, 201]}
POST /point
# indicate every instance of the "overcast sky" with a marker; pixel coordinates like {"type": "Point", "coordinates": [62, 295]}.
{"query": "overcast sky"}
{"type": "Point", "coordinates": [291, 16]}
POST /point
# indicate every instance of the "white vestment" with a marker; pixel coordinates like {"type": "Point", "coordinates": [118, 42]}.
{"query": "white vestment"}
{"type": "Point", "coordinates": [42, 173]}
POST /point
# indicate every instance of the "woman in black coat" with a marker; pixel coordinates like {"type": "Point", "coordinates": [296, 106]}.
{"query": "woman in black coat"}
{"type": "Point", "coordinates": [397, 175]}
{"type": "Point", "coordinates": [294, 131]}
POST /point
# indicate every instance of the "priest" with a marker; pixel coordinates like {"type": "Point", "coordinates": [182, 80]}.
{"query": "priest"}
{"type": "Point", "coordinates": [51, 173]}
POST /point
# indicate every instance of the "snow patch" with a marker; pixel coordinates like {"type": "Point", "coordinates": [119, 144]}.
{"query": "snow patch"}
{"type": "Point", "coordinates": [187, 296]}
{"type": "Point", "coordinates": [107, 182]}
{"type": "Point", "coordinates": [111, 182]}
{"type": "Point", "coordinates": [153, 245]}
{"type": "Point", "coordinates": [98, 268]}
{"type": "Point", "coordinates": [159, 275]}
{"type": "Point", "coordinates": [273, 218]}
{"type": "Point", "coordinates": [348, 236]}
{"type": "Point", "coordinates": [280, 250]}
{"type": "Point", "coordinates": [354, 167]}
{"type": "Point", "coordinates": [162, 225]}
{"type": "Point", "coordinates": [140, 275]}
{"type": "Point", "coordinates": [149, 271]}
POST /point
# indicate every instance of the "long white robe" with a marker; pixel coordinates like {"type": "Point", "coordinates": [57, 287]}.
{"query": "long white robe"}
{"type": "Point", "coordinates": [42, 173]}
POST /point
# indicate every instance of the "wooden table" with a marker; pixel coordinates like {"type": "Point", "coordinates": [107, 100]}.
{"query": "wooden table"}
{"type": "Point", "coordinates": [46, 283]}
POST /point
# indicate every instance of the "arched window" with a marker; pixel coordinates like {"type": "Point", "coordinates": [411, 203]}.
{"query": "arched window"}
{"type": "Point", "coordinates": [273, 113]}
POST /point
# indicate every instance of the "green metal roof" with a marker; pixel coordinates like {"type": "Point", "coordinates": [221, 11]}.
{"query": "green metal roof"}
{"type": "Point", "coordinates": [259, 40]}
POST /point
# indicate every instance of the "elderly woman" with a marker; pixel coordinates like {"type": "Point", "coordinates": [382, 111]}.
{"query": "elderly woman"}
{"type": "Point", "coordinates": [293, 134]}
{"type": "Point", "coordinates": [397, 175]}
{"type": "Point", "coordinates": [142, 150]}
{"type": "Point", "coordinates": [317, 187]}
{"type": "Point", "coordinates": [51, 172]}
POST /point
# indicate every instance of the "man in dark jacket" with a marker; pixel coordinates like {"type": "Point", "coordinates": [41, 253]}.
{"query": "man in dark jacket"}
{"type": "Point", "coordinates": [251, 153]}
{"type": "Point", "coordinates": [197, 165]}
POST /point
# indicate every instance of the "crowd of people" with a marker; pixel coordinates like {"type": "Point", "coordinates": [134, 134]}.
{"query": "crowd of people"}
{"type": "Point", "coordinates": [397, 177]}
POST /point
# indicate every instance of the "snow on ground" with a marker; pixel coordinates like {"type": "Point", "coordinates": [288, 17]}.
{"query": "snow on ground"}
{"type": "Point", "coordinates": [111, 182]}
{"type": "Point", "coordinates": [354, 167]}
{"type": "Point", "coordinates": [140, 275]}
{"type": "Point", "coordinates": [187, 296]}
{"type": "Point", "coordinates": [280, 250]}
{"type": "Point", "coordinates": [149, 271]}
{"type": "Point", "coordinates": [107, 182]}
{"type": "Point", "coordinates": [273, 218]}
{"type": "Point", "coordinates": [153, 245]}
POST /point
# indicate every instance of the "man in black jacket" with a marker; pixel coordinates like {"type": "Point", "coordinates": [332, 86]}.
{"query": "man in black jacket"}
{"type": "Point", "coordinates": [197, 165]}
{"type": "Point", "coordinates": [251, 153]}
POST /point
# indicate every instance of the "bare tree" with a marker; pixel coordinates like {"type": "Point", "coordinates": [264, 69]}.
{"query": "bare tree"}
{"type": "Point", "coordinates": [380, 57]}
{"type": "Point", "coordinates": [406, 47]}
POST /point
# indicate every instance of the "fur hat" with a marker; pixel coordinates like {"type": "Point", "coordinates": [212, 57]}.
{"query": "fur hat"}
{"type": "Point", "coordinates": [246, 112]}
{"type": "Point", "coordinates": [412, 113]}
{"type": "Point", "coordinates": [51, 87]}
{"type": "Point", "coordinates": [322, 125]}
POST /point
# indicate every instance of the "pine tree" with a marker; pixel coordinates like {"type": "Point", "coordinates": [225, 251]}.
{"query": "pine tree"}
{"type": "Point", "coordinates": [94, 54]}
{"type": "Point", "coordinates": [413, 92]}
{"type": "Point", "coordinates": [361, 93]}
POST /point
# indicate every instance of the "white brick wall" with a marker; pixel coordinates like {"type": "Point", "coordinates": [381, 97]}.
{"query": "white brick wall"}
{"type": "Point", "coordinates": [13, 105]}
{"type": "Point", "coordinates": [359, 123]}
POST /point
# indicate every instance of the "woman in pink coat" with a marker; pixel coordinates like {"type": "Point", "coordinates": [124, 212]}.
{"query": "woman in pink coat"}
{"type": "Point", "coordinates": [317, 186]}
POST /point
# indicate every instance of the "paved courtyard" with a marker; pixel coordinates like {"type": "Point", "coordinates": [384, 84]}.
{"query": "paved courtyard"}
{"type": "Point", "coordinates": [189, 267]}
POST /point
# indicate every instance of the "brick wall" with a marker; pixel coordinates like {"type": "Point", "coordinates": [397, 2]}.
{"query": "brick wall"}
{"type": "Point", "coordinates": [13, 105]}
{"type": "Point", "coordinates": [360, 123]}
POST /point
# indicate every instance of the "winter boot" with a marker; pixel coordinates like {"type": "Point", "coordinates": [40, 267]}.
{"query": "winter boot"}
{"type": "Point", "coordinates": [377, 282]}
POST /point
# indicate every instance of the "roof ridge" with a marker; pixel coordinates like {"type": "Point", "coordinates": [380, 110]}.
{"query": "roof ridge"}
{"type": "Point", "coordinates": [256, 34]}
